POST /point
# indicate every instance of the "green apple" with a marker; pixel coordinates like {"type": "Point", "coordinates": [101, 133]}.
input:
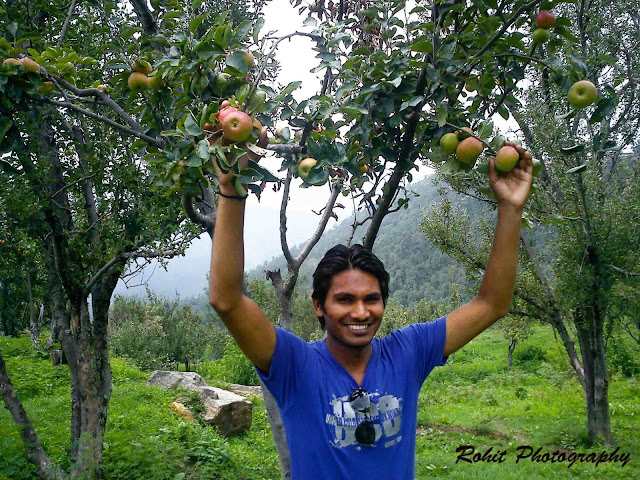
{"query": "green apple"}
{"type": "Point", "coordinates": [155, 81]}
{"type": "Point", "coordinates": [30, 65]}
{"type": "Point", "coordinates": [248, 59]}
{"type": "Point", "coordinates": [506, 159]}
{"type": "Point", "coordinates": [541, 35]}
{"type": "Point", "coordinates": [469, 150]}
{"type": "Point", "coordinates": [11, 61]}
{"type": "Point", "coordinates": [582, 94]}
{"type": "Point", "coordinates": [138, 81]}
{"type": "Point", "coordinates": [237, 126]}
{"type": "Point", "coordinates": [141, 66]}
{"type": "Point", "coordinates": [449, 142]}
{"type": "Point", "coordinates": [305, 166]}
{"type": "Point", "coordinates": [46, 88]}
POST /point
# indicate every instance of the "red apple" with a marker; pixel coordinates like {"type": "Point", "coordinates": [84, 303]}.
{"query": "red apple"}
{"type": "Point", "coordinates": [224, 112]}
{"type": "Point", "coordinates": [237, 126]}
{"type": "Point", "coordinates": [545, 19]}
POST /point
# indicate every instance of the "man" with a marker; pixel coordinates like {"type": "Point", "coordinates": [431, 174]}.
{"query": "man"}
{"type": "Point", "coordinates": [349, 403]}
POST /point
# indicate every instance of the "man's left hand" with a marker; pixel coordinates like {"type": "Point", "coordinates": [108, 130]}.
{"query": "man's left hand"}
{"type": "Point", "coordinates": [512, 188]}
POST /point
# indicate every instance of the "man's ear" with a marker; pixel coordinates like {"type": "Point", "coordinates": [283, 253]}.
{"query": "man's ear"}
{"type": "Point", "coordinates": [318, 307]}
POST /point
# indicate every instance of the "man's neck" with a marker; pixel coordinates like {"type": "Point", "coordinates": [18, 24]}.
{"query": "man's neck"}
{"type": "Point", "coordinates": [353, 360]}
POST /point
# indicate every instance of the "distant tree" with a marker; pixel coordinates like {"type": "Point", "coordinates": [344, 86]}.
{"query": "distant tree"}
{"type": "Point", "coordinates": [587, 191]}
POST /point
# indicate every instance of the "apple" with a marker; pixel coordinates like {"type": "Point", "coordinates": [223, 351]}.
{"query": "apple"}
{"type": "Point", "coordinates": [138, 81]}
{"type": "Point", "coordinates": [507, 158]}
{"type": "Point", "coordinates": [155, 81]}
{"type": "Point", "coordinates": [364, 168]}
{"type": "Point", "coordinates": [449, 142]}
{"type": "Point", "coordinates": [541, 35]}
{"type": "Point", "coordinates": [545, 19]}
{"type": "Point", "coordinates": [464, 132]}
{"type": "Point", "coordinates": [469, 150]}
{"type": "Point", "coordinates": [582, 94]}
{"type": "Point", "coordinates": [305, 166]}
{"type": "Point", "coordinates": [11, 61]}
{"type": "Point", "coordinates": [30, 65]}
{"type": "Point", "coordinates": [248, 59]}
{"type": "Point", "coordinates": [141, 66]}
{"type": "Point", "coordinates": [224, 112]}
{"type": "Point", "coordinates": [237, 126]}
{"type": "Point", "coordinates": [209, 127]}
{"type": "Point", "coordinates": [46, 88]}
{"type": "Point", "coordinates": [263, 139]}
{"type": "Point", "coordinates": [101, 87]}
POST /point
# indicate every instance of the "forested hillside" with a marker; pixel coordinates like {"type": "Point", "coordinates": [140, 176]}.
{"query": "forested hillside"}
{"type": "Point", "coordinates": [418, 270]}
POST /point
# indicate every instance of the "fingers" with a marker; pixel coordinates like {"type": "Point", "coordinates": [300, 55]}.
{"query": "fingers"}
{"type": "Point", "coordinates": [526, 159]}
{"type": "Point", "coordinates": [493, 172]}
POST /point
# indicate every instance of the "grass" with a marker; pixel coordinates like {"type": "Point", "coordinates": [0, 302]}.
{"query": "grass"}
{"type": "Point", "coordinates": [476, 401]}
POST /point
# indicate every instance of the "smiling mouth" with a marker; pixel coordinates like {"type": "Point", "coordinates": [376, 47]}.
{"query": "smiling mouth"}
{"type": "Point", "coordinates": [358, 327]}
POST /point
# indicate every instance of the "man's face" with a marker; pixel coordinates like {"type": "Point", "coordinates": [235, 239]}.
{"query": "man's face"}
{"type": "Point", "coordinates": [353, 309]}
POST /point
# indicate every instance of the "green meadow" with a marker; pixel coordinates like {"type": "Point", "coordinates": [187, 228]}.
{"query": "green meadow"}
{"type": "Point", "coordinates": [473, 402]}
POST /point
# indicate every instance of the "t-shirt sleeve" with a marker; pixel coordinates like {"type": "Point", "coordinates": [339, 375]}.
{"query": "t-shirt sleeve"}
{"type": "Point", "coordinates": [287, 365]}
{"type": "Point", "coordinates": [428, 341]}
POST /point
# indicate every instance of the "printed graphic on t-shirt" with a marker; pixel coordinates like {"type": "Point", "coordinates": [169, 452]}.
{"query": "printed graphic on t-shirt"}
{"type": "Point", "coordinates": [384, 411]}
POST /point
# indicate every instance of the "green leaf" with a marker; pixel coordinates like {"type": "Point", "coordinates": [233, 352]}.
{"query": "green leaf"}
{"type": "Point", "coordinates": [564, 116]}
{"type": "Point", "coordinates": [8, 168]}
{"type": "Point", "coordinates": [287, 90]}
{"type": "Point", "coordinates": [606, 107]}
{"type": "Point", "coordinates": [422, 45]}
{"type": "Point", "coordinates": [5, 125]}
{"type": "Point", "coordinates": [256, 28]}
{"type": "Point", "coordinates": [578, 169]}
{"type": "Point", "coordinates": [486, 129]}
{"type": "Point", "coordinates": [572, 149]}
{"type": "Point", "coordinates": [191, 126]}
{"type": "Point", "coordinates": [441, 115]}
{"type": "Point", "coordinates": [195, 23]}
{"type": "Point", "coordinates": [242, 30]}
{"type": "Point", "coordinates": [236, 61]}
{"type": "Point", "coordinates": [237, 183]}
{"type": "Point", "coordinates": [203, 150]}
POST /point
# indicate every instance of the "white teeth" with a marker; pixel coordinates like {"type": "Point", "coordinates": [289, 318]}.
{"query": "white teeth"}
{"type": "Point", "coordinates": [357, 327]}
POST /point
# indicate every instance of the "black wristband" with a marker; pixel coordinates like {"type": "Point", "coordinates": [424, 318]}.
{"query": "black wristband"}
{"type": "Point", "coordinates": [237, 197]}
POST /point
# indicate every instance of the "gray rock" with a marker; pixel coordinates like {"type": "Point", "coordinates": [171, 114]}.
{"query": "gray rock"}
{"type": "Point", "coordinates": [168, 379]}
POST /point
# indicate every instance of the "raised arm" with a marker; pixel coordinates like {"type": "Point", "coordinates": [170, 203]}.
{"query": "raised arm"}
{"type": "Point", "coordinates": [496, 291]}
{"type": "Point", "coordinates": [251, 329]}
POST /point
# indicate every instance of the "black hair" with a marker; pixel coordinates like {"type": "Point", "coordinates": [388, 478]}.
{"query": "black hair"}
{"type": "Point", "coordinates": [341, 258]}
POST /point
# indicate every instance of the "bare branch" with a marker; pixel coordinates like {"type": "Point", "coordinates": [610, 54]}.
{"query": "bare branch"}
{"type": "Point", "coordinates": [65, 27]}
{"type": "Point", "coordinates": [153, 141]}
{"type": "Point", "coordinates": [626, 273]}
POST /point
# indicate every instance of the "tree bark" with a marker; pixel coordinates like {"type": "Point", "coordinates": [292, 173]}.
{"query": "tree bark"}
{"type": "Point", "coordinates": [277, 431]}
{"type": "Point", "coordinates": [596, 381]}
{"type": "Point", "coordinates": [513, 343]}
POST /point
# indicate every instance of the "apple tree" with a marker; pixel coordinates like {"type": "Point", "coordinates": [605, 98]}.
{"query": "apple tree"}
{"type": "Point", "coordinates": [586, 195]}
{"type": "Point", "coordinates": [73, 137]}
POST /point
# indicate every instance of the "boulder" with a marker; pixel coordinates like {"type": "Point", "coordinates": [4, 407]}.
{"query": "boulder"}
{"type": "Point", "coordinates": [245, 390]}
{"type": "Point", "coordinates": [228, 412]}
{"type": "Point", "coordinates": [168, 379]}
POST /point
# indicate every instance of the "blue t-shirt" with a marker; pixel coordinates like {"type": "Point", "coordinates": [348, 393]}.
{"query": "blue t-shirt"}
{"type": "Point", "coordinates": [312, 392]}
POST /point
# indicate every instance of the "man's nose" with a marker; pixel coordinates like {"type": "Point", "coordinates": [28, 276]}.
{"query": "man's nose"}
{"type": "Point", "coordinates": [360, 311]}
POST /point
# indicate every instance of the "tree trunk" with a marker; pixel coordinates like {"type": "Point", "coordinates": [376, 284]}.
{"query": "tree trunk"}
{"type": "Point", "coordinates": [277, 431]}
{"type": "Point", "coordinates": [596, 381]}
{"type": "Point", "coordinates": [513, 343]}
{"type": "Point", "coordinates": [46, 469]}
